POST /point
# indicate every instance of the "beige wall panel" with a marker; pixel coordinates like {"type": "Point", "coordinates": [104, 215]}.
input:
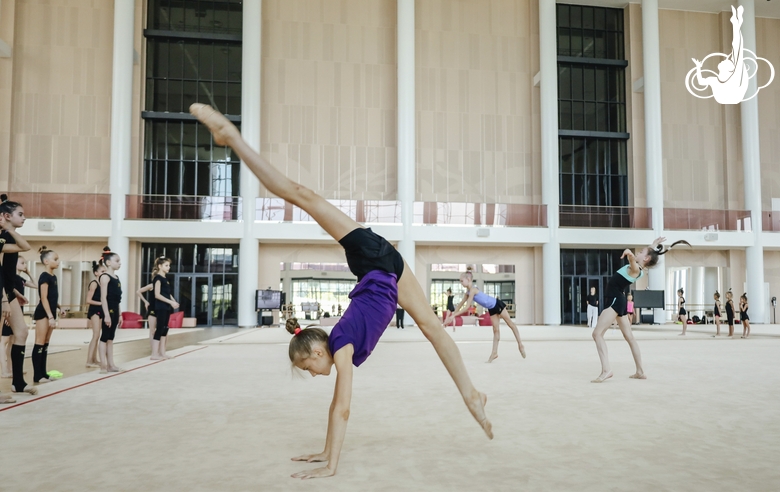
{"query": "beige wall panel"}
{"type": "Point", "coordinates": [738, 272]}
{"type": "Point", "coordinates": [772, 274]}
{"type": "Point", "coordinates": [686, 257]}
{"type": "Point", "coordinates": [477, 110]}
{"type": "Point", "coordinates": [7, 8]}
{"type": "Point", "coordinates": [767, 43]}
{"type": "Point", "coordinates": [329, 95]}
{"type": "Point", "coordinates": [635, 107]}
{"type": "Point", "coordinates": [62, 97]}
{"type": "Point", "coordinates": [697, 133]}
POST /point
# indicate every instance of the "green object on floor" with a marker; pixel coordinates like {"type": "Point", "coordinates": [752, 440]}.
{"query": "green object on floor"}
{"type": "Point", "coordinates": [54, 374]}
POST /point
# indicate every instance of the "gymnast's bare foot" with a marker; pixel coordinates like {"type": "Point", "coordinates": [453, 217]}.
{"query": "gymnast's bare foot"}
{"type": "Point", "coordinates": [522, 349]}
{"type": "Point", "coordinates": [114, 369]}
{"type": "Point", "coordinates": [602, 377]}
{"type": "Point", "coordinates": [221, 128]}
{"type": "Point", "coordinates": [476, 405]}
{"type": "Point", "coordinates": [157, 357]}
{"type": "Point", "coordinates": [6, 399]}
{"type": "Point", "coordinates": [492, 358]}
{"type": "Point", "coordinates": [638, 376]}
{"type": "Point", "coordinates": [30, 390]}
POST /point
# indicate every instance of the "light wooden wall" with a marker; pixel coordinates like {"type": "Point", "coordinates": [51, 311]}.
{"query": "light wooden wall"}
{"type": "Point", "coordinates": [61, 96]}
{"type": "Point", "coordinates": [329, 95]}
{"type": "Point", "coordinates": [767, 43]}
{"type": "Point", "coordinates": [477, 110]}
{"type": "Point", "coordinates": [702, 163]}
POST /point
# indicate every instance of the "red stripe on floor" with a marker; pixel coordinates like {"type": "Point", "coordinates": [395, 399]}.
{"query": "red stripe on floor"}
{"type": "Point", "coordinates": [12, 405]}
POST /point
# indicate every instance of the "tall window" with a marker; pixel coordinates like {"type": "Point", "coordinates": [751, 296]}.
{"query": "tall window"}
{"type": "Point", "coordinates": [193, 55]}
{"type": "Point", "coordinates": [592, 106]}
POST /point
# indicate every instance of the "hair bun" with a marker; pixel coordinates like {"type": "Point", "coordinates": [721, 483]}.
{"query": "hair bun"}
{"type": "Point", "coordinates": [291, 325]}
{"type": "Point", "coordinates": [106, 249]}
{"type": "Point", "coordinates": [42, 249]}
{"type": "Point", "coordinates": [4, 197]}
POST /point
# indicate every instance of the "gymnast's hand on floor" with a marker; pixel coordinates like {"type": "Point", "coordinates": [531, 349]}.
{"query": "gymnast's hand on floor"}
{"type": "Point", "coordinates": [312, 458]}
{"type": "Point", "coordinates": [315, 473]}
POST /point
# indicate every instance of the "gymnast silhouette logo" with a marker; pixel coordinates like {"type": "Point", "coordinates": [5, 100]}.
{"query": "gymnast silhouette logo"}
{"type": "Point", "coordinates": [730, 84]}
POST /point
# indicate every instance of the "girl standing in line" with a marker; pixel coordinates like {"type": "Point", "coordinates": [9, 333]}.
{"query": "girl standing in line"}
{"type": "Point", "coordinates": [743, 315]}
{"type": "Point", "coordinates": [450, 307]}
{"type": "Point", "coordinates": [151, 315]}
{"type": "Point", "coordinates": [630, 309]}
{"type": "Point", "coordinates": [13, 244]}
{"type": "Point", "coordinates": [496, 308]}
{"type": "Point", "coordinates": [681, 311]}
{"type": "Point", "coordinates": [716, 313]}
{"type": "Point", "coordinates": [617, 308]}
{"type": "Point", "coordinates": [730, 312]}
{"type": "Point", "coordinates": [5, 343]}
{"type": "Point", "coordinates": [95, 312]}
{"type": "Point", "coordinates": [384, 279]}
{"type": "Point", "coordinates": [45, 316]}
{"type": "Point", "coordinates": [164, 305]}
{"type": "Point", "coordinates": [110, 297]}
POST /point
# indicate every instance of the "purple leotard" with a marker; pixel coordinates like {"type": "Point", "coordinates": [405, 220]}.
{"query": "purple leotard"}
{"type": "Point", "coordinates": [373, 304]}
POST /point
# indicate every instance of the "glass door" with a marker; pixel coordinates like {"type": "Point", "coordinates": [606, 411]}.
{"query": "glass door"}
{"type": "Point", "coordinates": [194, 295]}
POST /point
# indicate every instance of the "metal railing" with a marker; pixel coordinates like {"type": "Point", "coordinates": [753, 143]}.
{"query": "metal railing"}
{"type": "Point", "coordinates": [690, 219]}
{"type": "Point", "coordinates": [64, 205]}
{"type": "Point", "coordinates": [389, 212]}
{"type": "Point", "coordinates": [184, 207]}
{"type": "Point", "coordinates": [605, 217]}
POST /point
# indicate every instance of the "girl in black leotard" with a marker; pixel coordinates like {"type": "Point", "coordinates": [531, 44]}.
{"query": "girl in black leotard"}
{"type": "Point", "coordinates": [716, 313]}
{"type": "Point", "coordinates": [95, 313]}
{"type": "Point", "coordinates": [13, 244]}
{"type": "Point", "coordinates": [616, 305]}
{"type": "Point", "coordinates": [681, 311]}
{"type": "Point", "coordinates": [743, 315]}
{"type": "Point", "coordinates": [730, 312]}
{"type": "Point", "coordinates": [45, 315]}
{"type": "Point", "coordinates": [110, 297]}
{"type": "Point", "coordinates": [164, 305]}
{"type": "Point", "coordinates": [5, 344]}
{"type": "Point", "coordinates": [450, 307]}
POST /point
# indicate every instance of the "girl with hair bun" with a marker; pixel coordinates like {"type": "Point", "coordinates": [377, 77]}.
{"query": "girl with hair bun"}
{"type": "Point", "coordinates": [496, 308]}
{"type": "Point", "coordinates": [743, 315]}
{"type": "Point", "coordinates": [730, 312]}
{"type": "Point", "coordinates": [681, 312]}
{"type": "Point", "coordinates": [11, 218]}
{"type": "Point", "coordinates": [110, 297]}
{"type": "Point", "coordinates": [164, 306]}
{"type": "Point", "coordinates": [615, 300]}
{"type": "Point", "coordinates": [384, 280]}
{"type": "Point", "coordinates": [45, 315]}
{"type": "Point", "coordinates": [5, 343]}
{"type": "Point", "coordinates": [716, 313]}
{"type": "Point", "coordinates": [95, 312]}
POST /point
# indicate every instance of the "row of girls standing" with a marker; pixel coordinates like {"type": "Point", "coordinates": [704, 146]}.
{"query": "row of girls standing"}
{"type": "Point", "coordinates": [103, 297]}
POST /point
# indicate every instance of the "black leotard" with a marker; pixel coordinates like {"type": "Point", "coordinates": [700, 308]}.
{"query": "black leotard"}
{"type": "Point", "coordinates": [682, 312]}
{"type": "Point", "coordinates": [52, 295]}
{"type": "Point", "coordinates": [615, 293]}
{"type": "Point", "coordinates": [9, 266]}
{"type": "Point", "coordinates": [450, 304]}
{"type": "Point", "coordinates": [93, 309]}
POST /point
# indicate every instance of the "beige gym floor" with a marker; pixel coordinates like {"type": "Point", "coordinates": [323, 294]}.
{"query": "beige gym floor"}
{"type": "Point", "coordinates": [228, 414]}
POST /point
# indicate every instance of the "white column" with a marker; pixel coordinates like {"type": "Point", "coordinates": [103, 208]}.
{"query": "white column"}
{"type": "Point", "coordinates": [548, 88]}
{"type": "Point", "coordinates": [751, 158]}
{"type": "Point", "coordinates": [406, 130]}
{"type": "Point", "coordinates": [248, 256]}
{"type": "Point", "coordinates": [654, 138]}
{"type": "Point", "coordinates": [121, 134]}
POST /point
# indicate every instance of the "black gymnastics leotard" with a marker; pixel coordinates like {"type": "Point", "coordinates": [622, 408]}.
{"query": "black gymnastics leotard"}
{"type": "Point", "coordinates": [113, 298]}
{"type": "Point", "coordinates": [52, 295]}
{"type": "Point", "coordinates": [717, 310]}
{"type": "Point", "coordinates": [93, 309]}
{"type": "Point", "coordinates": [450, 304]}
{"type": "Point", "coordinates": [615, 293]}
{"type": "Point", "coordinates": [367, 251]}
{"type": "Point", "coordinates": [9, 267]}
{"type": "Point", "coordinates": [730, 312]}
{"type": "Point", "coordinates": [162, 309]}
{"type": "Point", "coordinates": [743, 315]}
{"type": "Point", "coordinates": [682, 312]}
